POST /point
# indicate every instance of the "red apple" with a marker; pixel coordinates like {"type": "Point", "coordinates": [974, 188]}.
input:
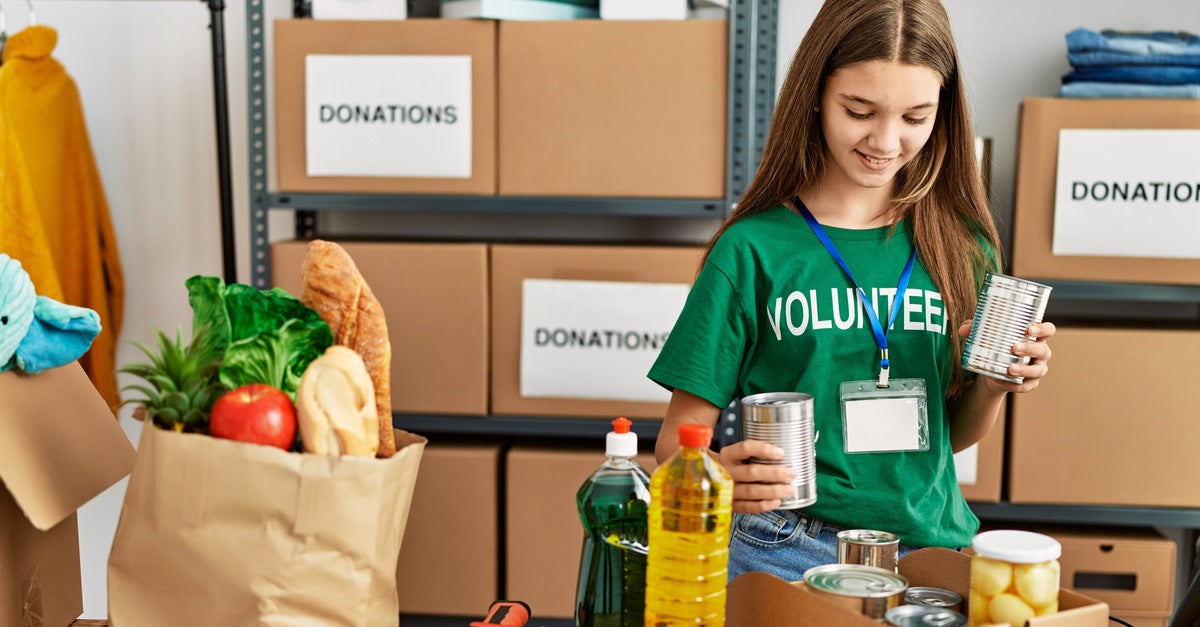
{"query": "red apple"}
{"type": "Point", "coordinates": [255, 413]}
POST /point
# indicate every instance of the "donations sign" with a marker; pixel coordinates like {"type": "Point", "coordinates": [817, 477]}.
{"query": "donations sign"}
{"type": "Point", "coordinates": [1128, 193]}
{"type": "Point", "coordinates": [388, 115]}
{"type": "Point", "coordinates": [595, 339]}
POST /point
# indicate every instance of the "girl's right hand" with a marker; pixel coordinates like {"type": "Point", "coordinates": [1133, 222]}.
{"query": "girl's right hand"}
{"type": "Point", "coordinates": [756, 487]}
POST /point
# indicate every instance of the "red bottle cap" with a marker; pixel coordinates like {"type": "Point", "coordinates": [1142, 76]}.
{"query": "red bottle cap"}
{"type": "Point", "coordinates": [695, 436]}
{"type": "Point", "coordinates": [622, 425]}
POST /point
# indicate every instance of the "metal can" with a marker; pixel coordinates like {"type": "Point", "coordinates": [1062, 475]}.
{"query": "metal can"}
{"type": "Point", "coordinates": [868, 547]}
{"type": "Point", "coordinates": [933, 597]}
{"type": "Point", "coordinates": [924, 616]}
{"type": "Point", "coordinates": [1007, 306]}
{"type": "Point", "coordinates": [867, 590]}
{"type": "Point", "coordinates": [785, 419]}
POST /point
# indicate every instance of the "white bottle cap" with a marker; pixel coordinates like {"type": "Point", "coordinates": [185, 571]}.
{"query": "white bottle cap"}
{"type": "Point", "coordinates": [621, 442]}
{"type": "Point", "coordinates": [1018, 547]}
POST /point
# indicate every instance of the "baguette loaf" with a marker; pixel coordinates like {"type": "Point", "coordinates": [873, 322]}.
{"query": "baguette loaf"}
{"type": "Point", "coordinates": [333, 287]}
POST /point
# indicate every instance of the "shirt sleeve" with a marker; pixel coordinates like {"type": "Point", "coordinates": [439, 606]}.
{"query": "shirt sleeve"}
{"type": "Point", "coordinates": [704, 352]}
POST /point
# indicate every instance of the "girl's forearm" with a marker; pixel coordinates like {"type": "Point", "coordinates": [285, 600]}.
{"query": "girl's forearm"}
{"type": "Point", "coordinates": [973, 414]}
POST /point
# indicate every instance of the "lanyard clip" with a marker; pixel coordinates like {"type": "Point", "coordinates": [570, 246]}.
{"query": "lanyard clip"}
{"type": "Point", "coordinates": [884, 368]}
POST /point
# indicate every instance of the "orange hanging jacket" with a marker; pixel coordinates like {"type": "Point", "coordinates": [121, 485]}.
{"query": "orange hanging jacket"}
{"type": "Point", "coordinates": [41, 112]}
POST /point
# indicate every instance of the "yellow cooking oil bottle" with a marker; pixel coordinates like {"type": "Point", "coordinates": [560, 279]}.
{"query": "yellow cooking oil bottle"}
{"type": "Point", "coordinates": [691, 507]}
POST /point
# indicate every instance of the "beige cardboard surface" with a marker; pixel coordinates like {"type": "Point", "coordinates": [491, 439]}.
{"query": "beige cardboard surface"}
{"type": "Point", "coordinates": [544, 533]}
{"type": "Point", "coordinates": [1144, 555]}
{"type": "Point", "coordinates": [1033, 229]}
{"type": "Point", "coordinates": [218, 532]}
{"type": "Point", "coordinates": [449, 563]}
{"type": "Point", "coordinates": [512, 263]}
{"type": "Point", "coordinates": [603, 108]}
{"type": "Point", "coordinates": [1143, 619]}
{"type": "Point", "coordinates": [39, 570]}
{"type": "Point", "coordinates": [756, 599]}
{"type": "Point", "coordinates": [989, 472]}
{"type": "Point", "coordinates": [61, 445]}
{"type": "Point", "coordinates": [435, 299]}
{"type": "Point", "coordinates": [1114, 423]}
{"type": "Point", "coordinates": [294, 39]}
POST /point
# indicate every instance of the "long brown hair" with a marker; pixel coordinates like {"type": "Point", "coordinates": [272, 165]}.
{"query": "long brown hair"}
{"type": "Point", "coordinates": [940, 191]}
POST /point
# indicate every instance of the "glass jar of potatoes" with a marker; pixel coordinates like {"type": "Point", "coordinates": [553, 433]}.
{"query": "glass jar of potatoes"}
{"type": "Point", "coordinates": [1014, 577]}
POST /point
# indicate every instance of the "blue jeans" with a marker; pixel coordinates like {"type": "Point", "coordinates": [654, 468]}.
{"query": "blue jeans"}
{"type": "Point", "coordinates": [784, 543]}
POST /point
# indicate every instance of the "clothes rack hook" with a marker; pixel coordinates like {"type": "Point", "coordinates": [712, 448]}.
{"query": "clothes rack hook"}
{"type": "Point", "coordinates": [32, 13]}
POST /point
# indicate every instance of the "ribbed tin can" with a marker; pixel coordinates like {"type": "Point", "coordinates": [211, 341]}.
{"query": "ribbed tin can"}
{"type": "Point", "coordinates": [785, 419]}
{"type": "Point", "coordinates": [923, 616]}
{"type": "Point", "coordinates": [867, 590]}
{"type": "Point", "coordinates": [868, 547]}
{"type": "Point", "coordinates": [1007, 306]}
{"type": "Point", "coordinates": [933, 597]}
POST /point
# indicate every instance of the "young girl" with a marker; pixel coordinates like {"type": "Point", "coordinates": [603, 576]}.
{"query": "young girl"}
{"type": "Point", "coordinates": [868, 180]}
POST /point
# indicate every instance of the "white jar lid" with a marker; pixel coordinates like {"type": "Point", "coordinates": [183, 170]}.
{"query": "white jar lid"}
{"type": "Point", "coordinates": [1020, 547]}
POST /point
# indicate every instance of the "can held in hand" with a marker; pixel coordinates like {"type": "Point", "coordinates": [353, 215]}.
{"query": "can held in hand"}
{"type": "Point", "coordinates": [868, 548]}
{"type": "Point", "coordinates": [1007, 306]}
{"type": "Point", "coordinates": [867, 590]}
{"type": "Point", "coordinates": [933, 597]}
{"type": "Point", "coordinates": [785, 419]}
{"type": "Point", "coordinates": [924, 616]}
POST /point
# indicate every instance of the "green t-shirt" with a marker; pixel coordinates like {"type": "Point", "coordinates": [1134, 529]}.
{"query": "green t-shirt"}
{"type": "Point", "coordinates": [771, 311]}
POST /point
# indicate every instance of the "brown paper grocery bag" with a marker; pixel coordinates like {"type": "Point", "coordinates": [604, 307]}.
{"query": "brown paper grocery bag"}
{"type": "Point", "coordinates": [217, 532]}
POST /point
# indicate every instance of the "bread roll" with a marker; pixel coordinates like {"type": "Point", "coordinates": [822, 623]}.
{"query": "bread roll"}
{"type": "Point", "coordinates": [335, 406]}
{"type": "Point", "coordinates": [333, 287]}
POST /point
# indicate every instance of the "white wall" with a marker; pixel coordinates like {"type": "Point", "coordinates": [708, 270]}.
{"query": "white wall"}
{"type": "Point", "coordinates": [143, 69]}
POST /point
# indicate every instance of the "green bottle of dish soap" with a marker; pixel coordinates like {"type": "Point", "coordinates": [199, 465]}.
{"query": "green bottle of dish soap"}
{"type": "Point", "coordinates": [613, 505]}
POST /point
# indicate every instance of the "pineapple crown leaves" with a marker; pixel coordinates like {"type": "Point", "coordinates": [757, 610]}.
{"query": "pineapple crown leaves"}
{"type": "Point", "coordinates": [181, 381]}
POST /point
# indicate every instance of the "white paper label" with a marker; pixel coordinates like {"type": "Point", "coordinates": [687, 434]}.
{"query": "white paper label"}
{"type": "Point", "coordinates": [1128, 193]}
{"type": "Point", "coordinates": [966, 465]}
{"type": "Point", "coordinates": [595, 339]}
{"type": "Point", "coordinates": [388, 115]}
{"type": "Point", "coordinates": [887, 424]}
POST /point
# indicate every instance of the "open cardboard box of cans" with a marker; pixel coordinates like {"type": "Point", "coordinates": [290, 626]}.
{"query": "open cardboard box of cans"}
{"type": "Point", "coordinates": [756, 598]}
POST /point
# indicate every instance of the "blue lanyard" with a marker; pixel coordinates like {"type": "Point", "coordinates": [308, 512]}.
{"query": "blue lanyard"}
{"type": "Point", "coordinates": [876, 327]}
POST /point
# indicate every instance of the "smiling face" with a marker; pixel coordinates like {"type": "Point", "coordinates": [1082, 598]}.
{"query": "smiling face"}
{"type": "Point", "coordinates": [875, 117]}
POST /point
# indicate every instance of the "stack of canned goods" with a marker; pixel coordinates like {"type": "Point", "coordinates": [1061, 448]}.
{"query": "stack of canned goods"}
{"type": "Point", "coordinates": [865, 580]}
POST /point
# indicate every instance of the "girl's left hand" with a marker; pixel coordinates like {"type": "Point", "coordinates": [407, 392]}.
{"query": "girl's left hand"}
{"type": "Point", "coordinates": [1038, 352]}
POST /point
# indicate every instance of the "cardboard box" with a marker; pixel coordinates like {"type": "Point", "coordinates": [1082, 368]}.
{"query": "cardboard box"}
{"type": "Point", "coordinates": [544, 535]}
{"type": "Point", "coordinates": [449, 562]}
{"type": "Point", "coordinates": [988, 459]}
{"type": "Point", "coordinates": [756, 599]}
{"type": "Point", "coordinates": [511, 264]}
{"type": "Point", "coordinates": [1129, 570]}
{"type": "Point", "coordinates": [601, 108]}
{"type": "Point", "coordinates": [296, 39]}
{"type": "Point", "coordinates": [1113, 424]}
{"type": "Point", "coordinates": [1033, 229]}
{"type": "Point", "coordinates": [62, 446]}
{"type": "Point", "coordinates": [435, 298]}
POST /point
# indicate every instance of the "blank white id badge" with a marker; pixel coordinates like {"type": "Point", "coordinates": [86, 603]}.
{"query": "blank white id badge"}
{"type": "Point", "coordinates": [885, 420]}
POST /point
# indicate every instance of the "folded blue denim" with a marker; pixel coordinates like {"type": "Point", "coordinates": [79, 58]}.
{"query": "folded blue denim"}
{"type": "Point", "coordinates": [1134, 43]}
{"type": "Point", "coordinates": [1094, 89]}
{"type": "Point", "coordinates": [1149, 74]}
{"type": "Point", "coordinates": [1105, 57]}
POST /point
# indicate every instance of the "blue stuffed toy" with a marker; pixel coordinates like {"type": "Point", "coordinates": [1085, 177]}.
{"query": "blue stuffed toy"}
{"type": "Point", "coordinates": [36, 332]}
